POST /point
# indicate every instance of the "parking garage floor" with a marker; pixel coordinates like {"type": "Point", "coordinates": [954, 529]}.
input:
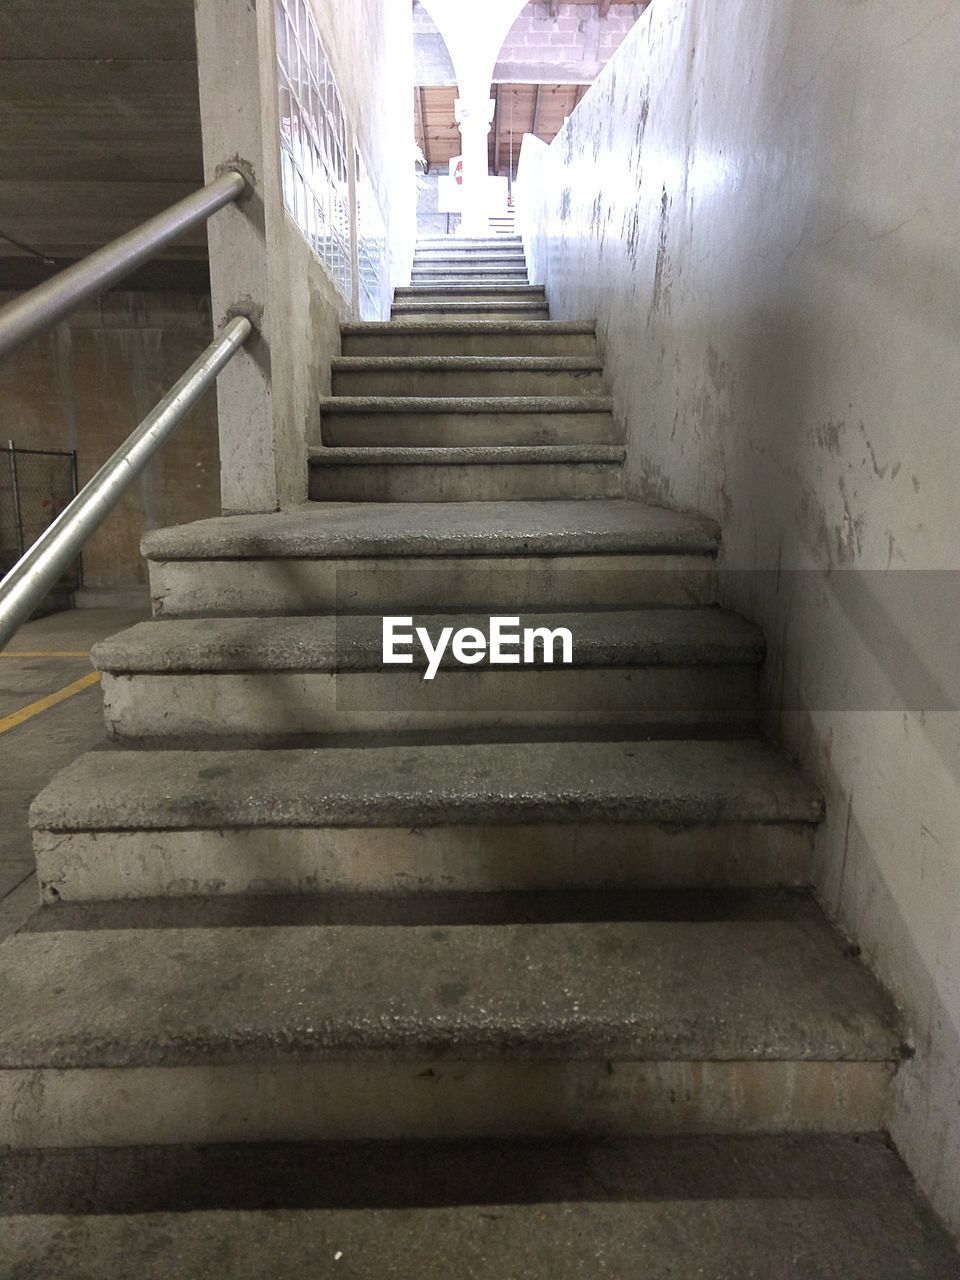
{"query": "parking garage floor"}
{"type": "Point", "coordinates": [49, 714]}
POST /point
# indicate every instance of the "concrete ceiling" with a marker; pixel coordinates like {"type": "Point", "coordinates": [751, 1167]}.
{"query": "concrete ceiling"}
{"type": "Point", "coordinates": [99, 128]}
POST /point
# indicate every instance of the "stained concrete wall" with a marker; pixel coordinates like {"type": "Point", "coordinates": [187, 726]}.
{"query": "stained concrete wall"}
{"type": "Point", "coordinates": [761, 206]}
{"type": "Point", "coordinates": [86, 384]}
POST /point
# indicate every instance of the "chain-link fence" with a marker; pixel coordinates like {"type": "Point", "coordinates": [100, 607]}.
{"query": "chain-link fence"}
{"type": "Point", "coordinates": [35, 486]}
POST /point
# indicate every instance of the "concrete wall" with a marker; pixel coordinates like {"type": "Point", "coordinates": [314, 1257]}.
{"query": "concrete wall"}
{"type": "Point", "coordinates": [100, 126]}
{"type": "Point", "coordinates": [571, 47]}
{"type": "Point", "coordinates": [761, 206]}
{"type": "Point", "coordinates": [260, 263]}
{"type": "Point", "coordinates": [86, 385]}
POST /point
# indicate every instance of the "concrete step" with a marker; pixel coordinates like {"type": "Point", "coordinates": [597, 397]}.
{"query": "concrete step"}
{"type": "Point", "coordinates": [792, 1207]}
{"type": "Point", "coordinates": [477, 338]}
{"type": "Point", "coordinates": [497, 248]}
{"type": "Point", "coordinates": [121, 1036]}
{"type": "Point", "coordinates": [470, 269]}
{"type": "Point", "coordinates": [501, 378]}
{"type": "Point", "coordinates": [465, 817]}
{"type": "Point", "coordinates": [456, 288]}
{"type": "Point", "coordinates": [428, 420]}
{"type": "Point", "coordinates": [452, 310]}
{"type": "Point", "coordinates": [440, 257]}
{"type": "Point", "coordinates": [389, 557]}
{"type": "Point", "coordinates": [659, 669]}
{"type": "Point", "coordinates": [472, 288]}
{"type": "Point", "coordinates": [454, 474]}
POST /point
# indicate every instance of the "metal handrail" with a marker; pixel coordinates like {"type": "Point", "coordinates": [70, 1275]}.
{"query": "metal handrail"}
{"type": "Point", "coordinates": [49, 302]}
{"type": "Point", "coordinates": [36, 572]}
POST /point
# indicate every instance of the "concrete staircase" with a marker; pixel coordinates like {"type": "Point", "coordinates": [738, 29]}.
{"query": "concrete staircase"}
{"type": "Point", "coordinates": [306, 898]}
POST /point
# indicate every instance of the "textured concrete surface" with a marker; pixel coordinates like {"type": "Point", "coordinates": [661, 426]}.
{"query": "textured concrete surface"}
{"type": "Point", "coordinates": [397, 583]}
{"type": "Point", "coordinates": [470, 404]}
{"type": "Point", "coordinates": [663, 782]}
{"type": "Point", "coordinates": [33, 752]}
{"type": "Point", "coordinates": [436, 376]}
{"type": "Point", "coordinates": [499, 364]}
{"type": "Point", "coordinates": [86, 384]}
{"type": "Point", "coordinates": [480, 338]}
{"type": "Point", "coordinates": [457, 529]}
{"type": "Point", "coordinates": [442, 430]}
{"type": "Point", "coordinates": [229, 865]}
{"type": "Point", "coordinates": [461, 456]}
{"type": "Point", "coordinates": [430, 480]}
{"type": "Point", "coordinates": [792, 307]}
{"type": "Point", "coordinates": [354, 642]}
{"type": "Point", "coordinates": [811, 1208]}
{"type": "Point", "coordinates": [740, 991]}
{"type": "Point", "coordinates": [366, 708]}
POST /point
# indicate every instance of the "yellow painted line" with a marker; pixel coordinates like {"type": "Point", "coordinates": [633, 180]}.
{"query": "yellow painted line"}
{"type": "Point", "coordinates": [51, 700]}
{"type": "Point", "coordinates": [46, 653]}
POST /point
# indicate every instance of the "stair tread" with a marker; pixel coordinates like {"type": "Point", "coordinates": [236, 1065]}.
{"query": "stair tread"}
{"type": "Point", "coordinates": [777, 989]}
{"type": "Point", "coordinates": [362, 328]}
{"type": "Point", "coordinates": [684, 782]}
{"type": "Point", "coordinates": [367, 529]}
{"type": "Point", "coordinates": [465, 404]}
{"type": "Point", "coordinates": [647, 637]}
{"type": "Point", "coordinates": [466, 455]}
{"type": "Point", "coordinates": [484, 363]}
{"type": "Point", "coordinates": [455, 304]}
{"type": "Point", "coordinates": [791, 1207]}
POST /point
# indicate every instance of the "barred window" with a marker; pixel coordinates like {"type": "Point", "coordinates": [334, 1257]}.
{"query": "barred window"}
{"type": "Point", "coordinates": [313, 141]}
{"type": "Point", "coordinates": [371, 249]}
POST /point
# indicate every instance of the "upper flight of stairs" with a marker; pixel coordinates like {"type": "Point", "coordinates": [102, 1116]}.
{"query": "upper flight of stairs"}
{"type": "Point", "coordinates": [309, 898]}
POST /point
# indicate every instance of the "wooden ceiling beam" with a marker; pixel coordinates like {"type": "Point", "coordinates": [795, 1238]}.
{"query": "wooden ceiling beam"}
{"type": "Point", "coordinates": [422, 105]}
{"type": "Point", "coordinates": [604, 8]}
{"type": "Point", "coordinates": [538, 98]}
{"type": "Point", "coordinates": [496, 131]}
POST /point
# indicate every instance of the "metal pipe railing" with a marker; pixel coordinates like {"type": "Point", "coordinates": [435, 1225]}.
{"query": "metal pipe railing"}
{"type": "Point", "coordinates": [36, 572]}
{"type": "Point", "coordinates": [55, 298]}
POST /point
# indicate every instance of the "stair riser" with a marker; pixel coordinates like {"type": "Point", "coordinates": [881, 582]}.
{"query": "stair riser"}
{"type": "Point", "coordinates": [470, 260]}
{"type": "Point", "coordinates": [331, 482]}
{"type": "Point", "coordinates": [492, 244]}
{"type": "Point", "coordinates": [501, 290]}
{"type": "Point", "coordinates": [360, 1098]}
{"type": "Point", "coordinates": [468, 429]}
{"type": "Point", "coordinates": [212, 704]}
{"type": "Point", "coordinates": [464, 343]}
{"type": "Point", "coordinates": [90, 865]}
{"type": "Point", "coordinates": [468, 382]}
{"type": "Point", "coordinates": [397, 584]}
{"type": "Point", "coordinates": [469, 311]}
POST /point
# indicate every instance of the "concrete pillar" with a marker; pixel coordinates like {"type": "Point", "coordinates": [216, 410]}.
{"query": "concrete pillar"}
{"type": "Point", "coordinates": [230, 109]}
{"type": "Point", "coordinates": [474, 117]}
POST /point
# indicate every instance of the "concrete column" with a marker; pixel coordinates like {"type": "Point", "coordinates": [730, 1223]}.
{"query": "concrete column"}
{"type": "Point", "coordinates": [474, 117]}
{"type": "Point", "coordinates": [230, 109]}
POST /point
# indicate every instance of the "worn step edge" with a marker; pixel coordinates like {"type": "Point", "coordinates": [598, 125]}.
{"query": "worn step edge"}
{"type": "Point", "coordinates": [465, 455]}
{"type": "Point", "coordinates": [366, 328]}
{"type": "Point", "coordinates": [649, 637]}
{"type": "Point", "coordinates": [687, 782]}
{"type": "Point", "coordinates": [465, 404]}
{"type": "Point", "coordinates": [481, 364]}
{"type": "Point", "coordinates": [770, 990]}
{"type": "Point", "coordinates": [462, 530]}
{"type": "Point", "coordinates": [454, 305]}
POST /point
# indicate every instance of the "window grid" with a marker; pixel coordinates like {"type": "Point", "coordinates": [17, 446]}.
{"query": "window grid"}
{"type": "Point", "coordinates": [313, 141]}
{"type": "Point", "coordinates": [371, 246]}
